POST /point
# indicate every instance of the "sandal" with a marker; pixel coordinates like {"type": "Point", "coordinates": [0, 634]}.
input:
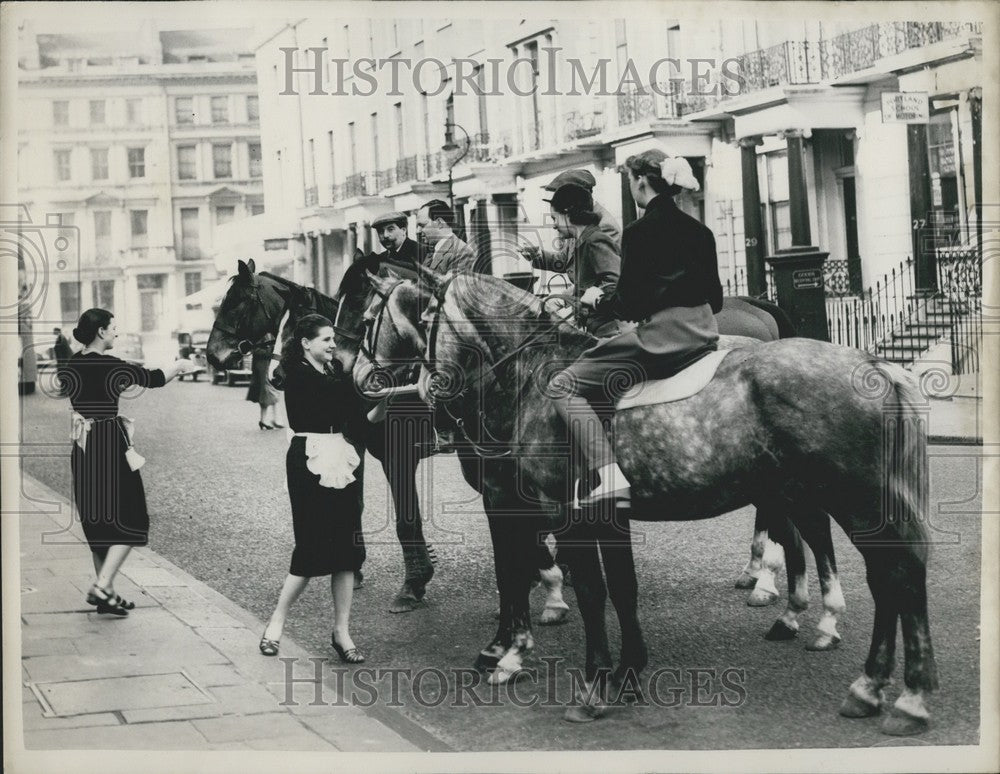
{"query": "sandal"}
{"type": "Point", "coordinates": [269, 647]}
{"type": "Point", "coordinates": [350, 656]}
{"type": "Point", "coordinates": [107, 601]}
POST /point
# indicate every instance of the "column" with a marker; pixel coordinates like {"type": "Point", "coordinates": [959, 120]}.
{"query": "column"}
{"type": "Point", "coordinates": [921, 208]}
{"type": "Point", "coordinates": [798, 193]}
{"type": "Point", "coordinates": [311, 244]}
{"type": "Point", "coordinates": [322, 270]}
{"type": "Point", "coordinates": [753, 226]}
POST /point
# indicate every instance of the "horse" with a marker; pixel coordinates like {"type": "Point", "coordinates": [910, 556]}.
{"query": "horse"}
{"type": "Point", "coordinates": [249, 316]}
{"type": "Point", "coordinates": [401, 343]}
{"type": "Point", "coordinates": [797, 425]}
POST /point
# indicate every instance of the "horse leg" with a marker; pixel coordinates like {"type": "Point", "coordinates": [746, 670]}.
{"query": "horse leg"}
{"type": "Point", "coordinates": [787, 626]}
{"type": "Point", "coordinates": [551, 575]}
{"type": "Point", "coordinates": [748, 578]}
{"type": "Point", "coordinates": [815, 529]}
{"type": "Point", "coordinates": [400, 465]}
{"type": "Point", "coordinates": [619, 567]}
{"type": "Point", "coordinates": [579, 550]}
{"type": "Point", "coordinates": [490, 655]}
{"type": "Point", "coordinates": [772, 560]}
{"type": "Point", "coordinates": [518, 534]}
{"type": "Point", "coordinates": [865, 695]}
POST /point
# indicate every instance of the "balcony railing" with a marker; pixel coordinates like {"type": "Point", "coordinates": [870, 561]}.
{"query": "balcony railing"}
{"type": "Point", "coordinates": [664, 101]}
{"type": "Point", "coordinates": [486, 148]}
{"type": "Point", "coordinates": [358, 184]}
{"type": "Point", "coordinates": [801, 62]}
{"type": "Point", "coordinates": [580, 124]}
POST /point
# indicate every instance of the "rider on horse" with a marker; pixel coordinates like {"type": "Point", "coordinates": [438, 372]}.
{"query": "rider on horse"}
{"type": "Point", "coordinates": [670, 285]}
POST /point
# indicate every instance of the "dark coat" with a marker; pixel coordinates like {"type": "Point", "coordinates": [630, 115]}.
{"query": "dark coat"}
{"type": "Point", "coordinates": [668, 260]}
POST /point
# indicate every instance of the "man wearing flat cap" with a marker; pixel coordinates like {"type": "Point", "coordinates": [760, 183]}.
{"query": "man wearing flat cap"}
{"type": "Point", "coordinates": [559, 260]}
{"type": "Point", "coordinates": [401, 252]}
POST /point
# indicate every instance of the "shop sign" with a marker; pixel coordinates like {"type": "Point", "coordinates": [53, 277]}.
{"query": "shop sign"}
{"type": "Point", "coordinates": [905, 107]}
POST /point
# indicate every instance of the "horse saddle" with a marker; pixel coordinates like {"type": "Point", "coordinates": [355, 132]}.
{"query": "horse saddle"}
{"type": "Point", "coordinates": [681, 385]}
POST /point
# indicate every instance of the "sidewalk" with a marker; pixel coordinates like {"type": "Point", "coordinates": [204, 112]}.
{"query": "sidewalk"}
{"type": "Point", "coordinates": [958, 418]}
{"type": "Point", "coordinates": [182, 672]}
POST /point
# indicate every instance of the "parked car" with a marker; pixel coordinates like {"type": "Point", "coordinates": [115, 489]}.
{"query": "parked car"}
{"type": "Point", "coordinates": [233, 375]}
{"type": "Point", "coordinates": [191, 346]}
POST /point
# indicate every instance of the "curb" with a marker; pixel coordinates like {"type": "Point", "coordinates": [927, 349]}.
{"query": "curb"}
{"type": "Point", "coordinates": [395, 721]}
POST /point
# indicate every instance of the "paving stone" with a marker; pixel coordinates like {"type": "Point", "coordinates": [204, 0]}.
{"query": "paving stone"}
{"type": "Point", "coordinates": [249, 698]}
{"type": "Point", "coordinates": [56, 646]}
{"type": "Point", "coordinates": [303, 696]}
{"type": "Point", "coordinates": [182, 595]}
{"type": "Point", "coordinates": [204, 615]}
{"type": "Point", "coordinates": [105, 662]}
{"type": "Point", "coordinates": [178, 735]}
{"type": "Point", "coordinates": [62, 600]}
{"type": "Point", "coordinates": [209, 675]}
{"type": "Point", "coordinates": [247, 728]}
{"type": "Point", "coordinates": [350, 730]}
{"type": "Point", "coordinates": [31, 715]}
{"type": "Point", "coordinates": [305, 742]}
{"type": "Point", "coordinates": [184, 712]}
{"type": "Point", "coordinates": [150, 576]}
{"type": "Point", "coordinates": [108, 694]}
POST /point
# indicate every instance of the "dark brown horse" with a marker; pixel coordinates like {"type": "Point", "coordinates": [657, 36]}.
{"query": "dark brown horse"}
{"type": "Point", "coordinates": [798, 426]}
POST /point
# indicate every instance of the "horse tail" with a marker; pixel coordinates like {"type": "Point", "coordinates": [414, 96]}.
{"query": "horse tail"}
{"type": "Point", "coordinates": [905, 488]}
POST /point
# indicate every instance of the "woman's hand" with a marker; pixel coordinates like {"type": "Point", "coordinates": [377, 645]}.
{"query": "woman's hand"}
{"type": "Point", "coordinates": [591, 295]}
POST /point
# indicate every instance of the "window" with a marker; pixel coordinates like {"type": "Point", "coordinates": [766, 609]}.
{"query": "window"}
{"type": "Point", "coordinates": [481, 100]}
{"type": "Point", "coordinates": [140, 224]}
{"type": "Point", "coordinates": [253, 108]}
{"type": "Point", "coordinates": [310, 163]}
{"type": "Point", "coordinates": [256, 209]}
{"type": "Point", "coordinates": [103, 293]}
{"type": "Point", "coordinates": [99, 163]}
{"type": "Point", "coordinates": [425, 105]}
{"type": "Point", "coordinates": [353, 145]}
{"type": "Point", "coordinates": [347, 42]}
{"type": "Point", "coordinates": [184, 110]}
{"type": "Point", "coordinates": [621, 46]}
{"type": "Point", "coordinates": [63, 169]}
{"type": "Point", "coordinates": [449, 119]}
{"type": "Point", "coordinates": [186, 167]}
{"type": "Point", "coordinates": [674, 41]}
{"type": "Point", "coordinates": [220, 110]}
{"type": "Point", "coordinates": [256, 168]}
{"type": "Point", "coordinates": [192, 282]}
{"type": "Point", "coordinates": [190, 247]}
{"type": "Point", "coordinates": [69, 300]}
{"type": "Point", "coordinates": [777, 216]}
{"type": "Point", "coordinates": [395, 35]}
{"type": "Point", "coordinates": [400, 133]}
{"type": "Point", "coordinates": [60, 112]}
{"type": "Point", "coordinates": [330, 150]}
{"type": "Point", "coordinates": [97, 107]}
{"type": "Point", "coordinates": [133, 111]}
{"type": "Point", "coordinates": [375, 153]}
{"type": "Point", "coordinates": [222, 161]}
{"type": "Point", "coordinates": [102, 235]}
{"type": "Point", "coordinates": [224, 214]}
{"type": "Point", "coordinates": [136, 162]}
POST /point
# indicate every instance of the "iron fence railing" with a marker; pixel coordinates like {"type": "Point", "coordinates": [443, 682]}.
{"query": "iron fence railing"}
{"type": "Point", "coordinates": [737, 285]}
{"type": "Point", "coordinates": [960, 284]}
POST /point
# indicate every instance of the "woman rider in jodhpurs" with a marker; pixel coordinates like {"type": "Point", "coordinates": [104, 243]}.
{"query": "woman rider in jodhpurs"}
{"type": "Point", "coordinates": [670, 285]}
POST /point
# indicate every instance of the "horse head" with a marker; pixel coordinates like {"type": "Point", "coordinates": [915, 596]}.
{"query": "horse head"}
{"type": "Point", "coordinates": [394, 333]}
{"type": "Point", "coordinates": [247, 318]}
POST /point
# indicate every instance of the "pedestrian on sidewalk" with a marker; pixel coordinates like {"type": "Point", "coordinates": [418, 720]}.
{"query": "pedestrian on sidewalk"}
{"type": "Point", "coordinates": [326, 498]}
{"type": "Point", "coordinates": [107, 486]}
{"type": "Point", "coordinates": [261, 391]}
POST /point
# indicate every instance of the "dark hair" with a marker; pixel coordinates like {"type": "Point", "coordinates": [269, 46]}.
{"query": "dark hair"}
{"type": "Point", "coordinates": [90, 322]}
{"type": "Point", "coordinates": [576, 202]}
{"type": "Point", "coordinates": [438, 209]}
{"type": "Point", "coordinates": [647, 164]}
{"type": "Point", "coordinates": [307, 327]}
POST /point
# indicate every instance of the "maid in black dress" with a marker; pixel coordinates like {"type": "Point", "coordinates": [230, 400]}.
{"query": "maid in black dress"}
{"type": "Point", "coordinates": [107, 486]}
{"type": "Point", "coordinates": [324, 481]}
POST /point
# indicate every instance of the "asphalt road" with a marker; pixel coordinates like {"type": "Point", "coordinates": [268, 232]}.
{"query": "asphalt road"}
{"type": "Point", "coordinates": [219, 510]}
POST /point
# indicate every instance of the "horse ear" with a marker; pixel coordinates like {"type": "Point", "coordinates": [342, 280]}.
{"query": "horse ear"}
{"type": "Point", "coordinates": [242, 268]}
{"type": "Point", "coordinates": [431, 279]}
{"type": "Point", "coordinates": [252, 266]}
{"type": "Point", "coordinates": [382, 285]}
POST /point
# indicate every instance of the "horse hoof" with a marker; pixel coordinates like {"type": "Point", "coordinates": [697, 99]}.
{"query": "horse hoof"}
{"type": "Point", "coordinates": [405, 603]}
{"type": "Point", "coordinates": [853, 707]}
{"type": "Point", "coordinates": [500, 676]}
{"type": "Point", "coordinates": [746, 581]}
{"type": "Point", "coordinates": [552, 616]}
{"type": "Point", "coordinates": [899, 723]}
{"type": "Point", "coordinates": [824, 642]}
{"type": "Point", "coordinates": [760, 598]}
{"type": "Point", "coordinates": [486, 662]}
{"type": "Point", "coordinates": [583, 714]}
{"type": "Point", "coordinates": [780, 631]}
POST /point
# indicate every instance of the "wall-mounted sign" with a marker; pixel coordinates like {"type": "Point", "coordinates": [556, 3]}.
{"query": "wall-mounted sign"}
{"type": "Point", "coordinates": [275, 244]}
{"type": "Point", "coordinates": [806, 279]}
{"type": "Point", "coordinates": [905, 107]}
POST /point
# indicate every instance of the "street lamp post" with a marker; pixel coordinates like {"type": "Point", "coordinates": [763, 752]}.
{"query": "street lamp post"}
{"type": "Point", "coordinates": [451, 145]}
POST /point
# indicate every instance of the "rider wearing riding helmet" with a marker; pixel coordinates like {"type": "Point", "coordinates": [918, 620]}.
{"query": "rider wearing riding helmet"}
{"type": "Point", "coordinates": [669, 284]}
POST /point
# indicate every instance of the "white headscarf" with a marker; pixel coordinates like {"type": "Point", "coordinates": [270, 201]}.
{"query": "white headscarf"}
{"type": "Point", "coordinates": [676, 171]}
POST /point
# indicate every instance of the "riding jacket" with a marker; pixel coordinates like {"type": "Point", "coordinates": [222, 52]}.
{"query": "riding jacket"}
{"type": "Point", "coordinates": [668, 260]}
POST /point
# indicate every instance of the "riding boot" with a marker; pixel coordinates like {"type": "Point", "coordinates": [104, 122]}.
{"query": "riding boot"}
{"type": "Point", "coordinates": [587, 430]}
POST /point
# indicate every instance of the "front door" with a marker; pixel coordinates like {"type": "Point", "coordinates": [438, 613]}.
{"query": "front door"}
{"type": "Point", "coordinates": [851, 223]}
{"type": "Point", "coordinates": [151, 308]}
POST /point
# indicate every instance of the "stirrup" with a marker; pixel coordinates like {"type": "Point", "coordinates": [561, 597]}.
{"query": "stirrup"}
{"type": "Point", "coordinates": [621, 497]}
